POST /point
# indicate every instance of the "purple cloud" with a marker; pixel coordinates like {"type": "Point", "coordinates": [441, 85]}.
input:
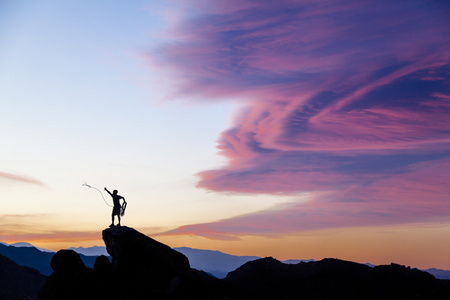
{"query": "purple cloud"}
{"type": "Point", "coordinates": [348, 101]}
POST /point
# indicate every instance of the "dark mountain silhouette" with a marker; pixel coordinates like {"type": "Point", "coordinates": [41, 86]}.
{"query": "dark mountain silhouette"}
{"type": "Point", "coordinates": [18, 281]}
{"type": "Point", "coordinates": [143, 268]}
{"type": "Point", "coordinates": [219, 264]}
{"type": "Point", "coordinates": [34, 258]}
{"type": "Point", "coordinates": [216, 263]}
{"type": "Point", "coordinates": [332, 279]}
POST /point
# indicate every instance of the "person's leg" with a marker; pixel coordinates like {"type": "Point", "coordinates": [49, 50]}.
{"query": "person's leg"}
{"type": "Point", "coordinates": [118, 217]}
{"type": "Point", "coordinates": [112, 219]}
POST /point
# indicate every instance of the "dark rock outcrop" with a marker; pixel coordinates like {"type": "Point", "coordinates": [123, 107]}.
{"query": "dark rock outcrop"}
{"type": "Point", "coordinates": [268, 278]}
{"type": "Point", "coordinates": [102, 267]}
{"type": "Point", "coordinates": [70, 279]}
{"type": "Point", "coordinates": [103, 279]}
{"type": "Point", "coordinates": [18, 282]}
{"type": "Point", "coordinates": [131, 249]}
{"type": "Point", "coordinates": [144, 266]}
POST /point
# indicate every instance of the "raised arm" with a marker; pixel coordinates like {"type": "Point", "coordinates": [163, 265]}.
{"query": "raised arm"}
{"type": "Point", "coordinates": [108, 192]}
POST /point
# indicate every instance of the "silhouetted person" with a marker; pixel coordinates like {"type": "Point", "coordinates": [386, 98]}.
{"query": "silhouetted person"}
{"type": "Point", "coordinates": [117, 207]}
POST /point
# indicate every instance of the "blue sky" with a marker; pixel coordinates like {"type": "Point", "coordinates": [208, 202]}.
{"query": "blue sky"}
{"type": "Point", "coordinates": [81, 104]}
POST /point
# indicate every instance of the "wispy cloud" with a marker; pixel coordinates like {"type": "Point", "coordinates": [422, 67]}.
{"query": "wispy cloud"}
{"type": "Point", "coordinates": [24, 227]}
{"type": "Point", "coordinates": [20, 179]}
{"type": "Point", "coordinates": [50, 236]}
{"type": "Point", "coordinates": [40, 228]}
{"type": "Point", "coordinates": [348, 101]}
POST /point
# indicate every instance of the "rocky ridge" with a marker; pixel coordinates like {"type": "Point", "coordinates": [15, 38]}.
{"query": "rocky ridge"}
{"type": "Point", "coordinates": [143, 268]}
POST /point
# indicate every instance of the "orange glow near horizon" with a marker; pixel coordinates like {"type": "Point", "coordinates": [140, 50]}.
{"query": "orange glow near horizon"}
{"type": "Point", "coordinates": [420, 246]}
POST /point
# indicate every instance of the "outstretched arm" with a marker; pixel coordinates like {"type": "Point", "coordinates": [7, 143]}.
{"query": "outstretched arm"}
{"type": "Point", "coordinates": [108, 192]}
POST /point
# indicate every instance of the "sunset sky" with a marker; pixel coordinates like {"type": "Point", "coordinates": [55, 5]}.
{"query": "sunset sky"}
{"type": "Point", "coordinates": [293, 128]}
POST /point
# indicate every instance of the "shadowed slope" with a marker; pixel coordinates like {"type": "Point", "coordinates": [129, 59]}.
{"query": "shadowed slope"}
{"type": "Point", "coordinates": [17, 281]}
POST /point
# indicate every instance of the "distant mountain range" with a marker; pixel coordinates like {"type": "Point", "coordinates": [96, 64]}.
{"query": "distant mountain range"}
{"type": "Point", "coordinates": [23, 244]}
{"type": "Point", "coordinates": [216, 263]}
{"type": "Point", "coordinates": [91, 251]}
{"type": "Point", "coordinates": [29, 256]}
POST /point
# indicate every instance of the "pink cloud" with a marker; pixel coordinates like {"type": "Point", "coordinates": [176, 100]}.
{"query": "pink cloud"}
{"type": "Point", "coordinates": [21, 179]}
{"type": "Point", "coordinates": [413, 196]}
{"type": "Point", "coordinates": [346, 101]}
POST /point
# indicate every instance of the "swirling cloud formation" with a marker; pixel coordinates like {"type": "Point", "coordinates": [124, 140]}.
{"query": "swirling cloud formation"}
{"type": "Point", "coordinates": [347, 101]}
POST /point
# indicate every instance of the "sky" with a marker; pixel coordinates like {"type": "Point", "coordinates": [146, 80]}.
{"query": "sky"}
{"type": "Point", "coordinates": [295, 129]}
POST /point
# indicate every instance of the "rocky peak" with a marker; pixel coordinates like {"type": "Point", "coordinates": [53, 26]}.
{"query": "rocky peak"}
{"type": "Point", "coordinates": [129, 247]}
{"type": "Point", "coordinates": [144, 266]}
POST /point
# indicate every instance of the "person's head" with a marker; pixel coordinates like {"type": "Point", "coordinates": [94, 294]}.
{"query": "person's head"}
{"type": "Point", "coordinates": [115, 192]}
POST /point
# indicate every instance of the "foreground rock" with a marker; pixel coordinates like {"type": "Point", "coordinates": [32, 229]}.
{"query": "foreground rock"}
{"type": "Point", "coordinates": [135, 254]}
{"type": "Point", "coordinates": [144, 266]}
{"type": "Point", "coordinates": [70, 279]}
